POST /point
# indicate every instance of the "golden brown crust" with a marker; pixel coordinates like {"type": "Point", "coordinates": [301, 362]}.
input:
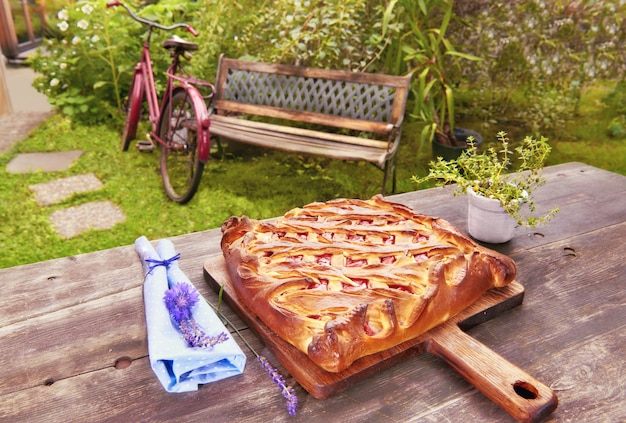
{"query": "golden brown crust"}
{"type": "Point", "coordinates": [347, 278]}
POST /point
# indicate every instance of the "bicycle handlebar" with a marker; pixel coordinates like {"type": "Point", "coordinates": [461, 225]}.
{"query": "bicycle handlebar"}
{"type": "Point", "coordinates": [144, 21]}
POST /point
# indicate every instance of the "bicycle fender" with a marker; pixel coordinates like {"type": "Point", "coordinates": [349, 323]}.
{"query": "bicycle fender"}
{"type": "Point", "coordinates": [203, 122]}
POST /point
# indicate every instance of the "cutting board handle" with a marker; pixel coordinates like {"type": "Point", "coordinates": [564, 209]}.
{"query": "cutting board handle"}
{"type": "Point", "coordinates": [519, 394]}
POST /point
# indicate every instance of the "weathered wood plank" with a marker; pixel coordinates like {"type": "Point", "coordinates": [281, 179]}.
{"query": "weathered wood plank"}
{"type": "Point", "coordinates": [218, 121]}
{"type": "Point", "coordinates": [568, 333]}
{"type": "Point", "coordinates": [40, 288]}
{"type": "Point", "coordinates": [103, 330]}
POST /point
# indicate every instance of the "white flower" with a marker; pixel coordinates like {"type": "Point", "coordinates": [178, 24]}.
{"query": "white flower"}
{"type": "Point", "coordinates": [87, 9]}
{"type": "Point", "coordinates": [54, 82]}
{"type": "Point", "coordinates": [95, 39]}
{"type": "Point", "coordinates": [63, 65]}
{"type": "Point", "coordinates": [83, 24]}
{"type": "Point", "coordinates": [75, 40]}
{"type": "Point", "coordinates": [63, 15]}
{"type": "Point", "coordinates": [63, 26]}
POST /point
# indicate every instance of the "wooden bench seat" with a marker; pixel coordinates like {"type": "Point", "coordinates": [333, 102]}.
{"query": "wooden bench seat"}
{"type": "Point", "coordinates": [328, 113]}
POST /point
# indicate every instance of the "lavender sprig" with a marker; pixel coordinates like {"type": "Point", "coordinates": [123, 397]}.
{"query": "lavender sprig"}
{"type": "Point", "coordinates": [179, 301]}
{"type": "Point", "coordinates": [194, 336]}
{"type": "Point", "coordinates": [286, 390]}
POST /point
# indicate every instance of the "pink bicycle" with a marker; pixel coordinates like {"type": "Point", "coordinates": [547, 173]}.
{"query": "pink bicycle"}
{"type": "Point", "coordinates": [180, 122]}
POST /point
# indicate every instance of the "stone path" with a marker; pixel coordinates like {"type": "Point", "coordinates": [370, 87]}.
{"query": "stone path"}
{"type": "Point", "coordinates": [72, 221]}
{"type": "Point", "coordinates": [28, 110]}
{"type": "Point", "coordinates": [53, 192]}
{"type": "Point", "coordinates": [14, 126]}
{"type": "Point", "coordinates": [75, 220]}
{"type": "Point", "coordinates": [47, 162]}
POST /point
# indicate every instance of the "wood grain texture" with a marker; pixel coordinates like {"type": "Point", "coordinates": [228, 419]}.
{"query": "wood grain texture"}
{"type": "Point", "coordinates": [66, 321]}
{"type": "Point", "coordinates": [511, 388]}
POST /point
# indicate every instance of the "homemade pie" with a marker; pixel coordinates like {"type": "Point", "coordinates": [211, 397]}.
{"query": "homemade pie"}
{"type": "Point", "coordinates": [347, 278]}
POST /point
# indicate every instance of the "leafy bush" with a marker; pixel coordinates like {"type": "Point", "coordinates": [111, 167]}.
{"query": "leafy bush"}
{"type": "Point", "coordinates": [427, 51]}
{"type": "Point", "coordinates": [87, 60]}
{"type": "Point", "coordinates": [551, 50]}
{"type": "Point", "coordinates": [616, 100]}
{"type": "Point", "coordinates": [338, 34]}
{"type": "Point", "coordinates": [219, 26]}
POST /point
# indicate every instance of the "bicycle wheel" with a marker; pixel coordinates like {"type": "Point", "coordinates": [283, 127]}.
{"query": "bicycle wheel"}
{"type": "Point", "coordinates": [181, 169]}
{"type": "Point", "coordinates": [133, 112]}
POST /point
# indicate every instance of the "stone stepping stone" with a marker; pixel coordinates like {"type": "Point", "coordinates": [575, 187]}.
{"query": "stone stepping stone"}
{"type": "Point", "coordinates": [75, 220]}
{"type": "Point", "coordinates": [53, 192]}
{"type": "Point", "coordinates": [47, 162]}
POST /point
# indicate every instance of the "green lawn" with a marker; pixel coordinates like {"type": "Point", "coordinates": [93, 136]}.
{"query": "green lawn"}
{"type": "Point", "coordinates": [257, 183]}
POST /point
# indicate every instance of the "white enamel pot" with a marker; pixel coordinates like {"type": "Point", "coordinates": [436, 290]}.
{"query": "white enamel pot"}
{"type": "Point", "coordinates": [487, 221]}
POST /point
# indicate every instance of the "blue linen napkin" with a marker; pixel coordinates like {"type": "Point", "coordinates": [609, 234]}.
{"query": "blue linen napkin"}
{"type": "Point", "coordinates": [178, 367]}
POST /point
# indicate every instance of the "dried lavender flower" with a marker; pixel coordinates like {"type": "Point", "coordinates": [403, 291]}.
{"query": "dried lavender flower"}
{"type": "Point", "coordinates": [194, 336]}
{"type": "Point", "coordinates": [179, 301]}
{"type": "Point", "coordinates": [286, 390]}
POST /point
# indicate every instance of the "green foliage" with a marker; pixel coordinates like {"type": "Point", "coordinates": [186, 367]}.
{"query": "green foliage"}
{"type": "Point", "coordinates": [219, 26]}
{"type": "Point", "coordinates": [431, 56]}
{"type": "Point", "coordinates": [487, 174]}
{"type": "Point", "coordinates": [616, 101]}
{"type": "Point", "coordinates": [82, 64]}
{"type": "Point", "coordinates": [338, 34]}
{"type": "Point", "coordinates": [87, 60]}
{"type": "Point", "coordinates": [552, 50]}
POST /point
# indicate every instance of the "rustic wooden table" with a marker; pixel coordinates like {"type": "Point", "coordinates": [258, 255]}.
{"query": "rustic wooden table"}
{"type": "Point", "coordinates": [73, 338]}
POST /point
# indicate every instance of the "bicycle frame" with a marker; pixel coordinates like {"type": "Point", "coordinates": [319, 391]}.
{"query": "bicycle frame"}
{"type": "Point", "coordinates": [155, 110]}
{"type": "Point", "coordinates": [143, 70]}
{"type": "Point", "coordinates": [180, 123]}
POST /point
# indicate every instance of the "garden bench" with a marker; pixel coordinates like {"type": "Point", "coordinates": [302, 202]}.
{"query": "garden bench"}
{"type": "Point", "coordinates": [328, 113]}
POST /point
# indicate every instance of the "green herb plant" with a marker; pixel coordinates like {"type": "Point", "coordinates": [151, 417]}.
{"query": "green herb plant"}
{"type": "Point", "coordinates": [488, 174]}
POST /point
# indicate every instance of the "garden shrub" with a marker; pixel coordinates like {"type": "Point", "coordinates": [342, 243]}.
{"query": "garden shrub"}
{"type": "Point", "coordinates": [86, 62]}
{"type": "Point", "coordinates": [334, 34]}
{"type": "Point", "coordinates": [549, 50]}
{"type": "Point", "coordinates": [539, 55]}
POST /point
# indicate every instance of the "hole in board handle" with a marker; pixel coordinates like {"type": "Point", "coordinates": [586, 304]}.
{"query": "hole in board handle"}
{"type": "Point", "coordinates": [525, 390]}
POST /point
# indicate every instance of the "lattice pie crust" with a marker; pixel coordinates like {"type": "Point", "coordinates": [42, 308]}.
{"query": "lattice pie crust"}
{"type": "Point", "coordinates": [347, 278]}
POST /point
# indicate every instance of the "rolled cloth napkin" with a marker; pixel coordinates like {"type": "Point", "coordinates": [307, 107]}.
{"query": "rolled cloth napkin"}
{"type": "Point", "coordinates": [181, 368]}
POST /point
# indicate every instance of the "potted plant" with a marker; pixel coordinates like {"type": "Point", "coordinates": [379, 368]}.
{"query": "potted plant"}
{"type": "Point", "coordinates": [496, 196]}
{"type": "Point", "coordinates": [431, 56]}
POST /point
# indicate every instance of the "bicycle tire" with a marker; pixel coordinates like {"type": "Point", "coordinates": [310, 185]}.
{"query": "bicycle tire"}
{"type": "Point", "coordinates": [181, 168]}
{"type": "Point", "coordinates": [133, 112]}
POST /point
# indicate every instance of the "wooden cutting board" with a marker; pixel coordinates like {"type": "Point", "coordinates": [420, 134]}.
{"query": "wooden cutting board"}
{"type": "Point", "coordinates": [518, 393]}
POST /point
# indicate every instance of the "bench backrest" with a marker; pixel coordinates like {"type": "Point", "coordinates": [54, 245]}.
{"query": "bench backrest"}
{"type": "Point", "coordinates": [342, 99]}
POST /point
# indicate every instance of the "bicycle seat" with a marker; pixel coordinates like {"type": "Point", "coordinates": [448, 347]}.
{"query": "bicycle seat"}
{"type": "Point", "coordinates": [178, 43]}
